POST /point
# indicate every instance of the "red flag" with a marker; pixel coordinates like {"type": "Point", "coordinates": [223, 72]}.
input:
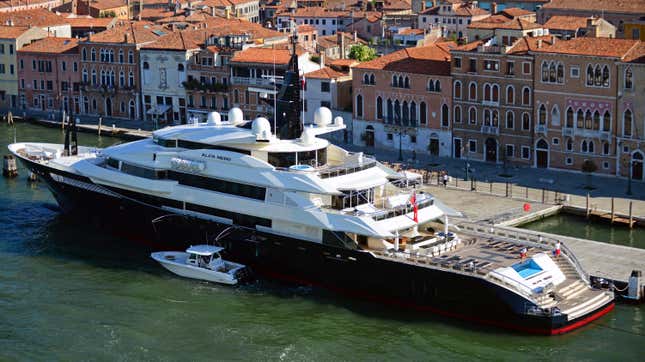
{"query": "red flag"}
{"type": "Point", "coordinates": [413, 201]}
{"type": "Point", "coordinates": [304, 83]}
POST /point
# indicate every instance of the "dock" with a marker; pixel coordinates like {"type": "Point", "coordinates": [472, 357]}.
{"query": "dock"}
{"type": "Point", "coordinates": [123, 133]}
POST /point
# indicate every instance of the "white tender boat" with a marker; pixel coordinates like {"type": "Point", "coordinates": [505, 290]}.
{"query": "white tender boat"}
{"type": "Point", "coordinates": [201, 262]}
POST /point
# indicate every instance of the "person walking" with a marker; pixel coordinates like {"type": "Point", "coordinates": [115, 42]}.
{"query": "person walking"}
{"type": "Point", "coordinates": [557, 249]}
{"type": "Point", "coordinates": [445, 179]}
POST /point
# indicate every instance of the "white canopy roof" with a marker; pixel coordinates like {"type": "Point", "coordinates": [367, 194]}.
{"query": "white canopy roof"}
{"type": "Point", "coordinates": [204, 250]}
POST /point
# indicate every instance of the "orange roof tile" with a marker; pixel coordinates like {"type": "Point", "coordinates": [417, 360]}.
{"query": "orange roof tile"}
{"type": "Point", "coordinates": [107, 4]}
{"type": "Point", "coordinates": [515, 12]}
{"type": "Point", "coordinates": [129, 32]}
{"type": "Point", "coordinates": [343, 62]}
{"type": "Point", "coordinates": [262, 56]}
{"type": "Point", "coordinates": [636, 54]}
{"type": "Point", "coordinates": [430, 59]}
{"type": "Point", "coordinates": [315, 12]}
{"type": "Point", "coordinates": [12, 32]}
{"type": "Point", "coordinates": [305, 28]}
{"type": "Point", "coordinates": [179, 40]}
{"type": "Point", "coordinates": [411, 32]}
{"type": "Point", "coordinates": [52, 45]}
{"type": "Point", "coordinates": [530, 43]}
{"type": "Point", "coordinates": [498, 23]}
{"type": "Point", "coordinates": [596, 6]}
{"type": "Point", "coordinates": [600, 47]}
{"type": "Point", "coordinates": [325, 73]}
{"type": "Point", "coordinates": [90, 22]}
{"type": "Point", "coordinates": [560, 22]}
{"type": "Point", "coordinates": [32, 17]}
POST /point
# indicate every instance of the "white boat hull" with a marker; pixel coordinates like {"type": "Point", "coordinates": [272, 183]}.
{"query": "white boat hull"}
{"type": "Point", "coordinates": [175, 262]}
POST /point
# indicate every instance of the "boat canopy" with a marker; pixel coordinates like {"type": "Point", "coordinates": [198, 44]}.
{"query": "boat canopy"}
{"type": "Point", "coordinates": [204, 250]}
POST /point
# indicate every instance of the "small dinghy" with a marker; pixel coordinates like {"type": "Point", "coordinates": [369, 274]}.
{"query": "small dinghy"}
{"type": "Point", "coordinates": [201, 262]}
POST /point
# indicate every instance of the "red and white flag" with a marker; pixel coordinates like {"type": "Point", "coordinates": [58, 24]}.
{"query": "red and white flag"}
{"type": "Point", "coordinates": [413, 201]}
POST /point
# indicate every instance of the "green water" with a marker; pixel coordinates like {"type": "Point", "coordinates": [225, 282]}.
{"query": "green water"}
{"type": "Point", "coordinates": [580, 227]}
{"type": "Point", "coordinates": [70, 292]}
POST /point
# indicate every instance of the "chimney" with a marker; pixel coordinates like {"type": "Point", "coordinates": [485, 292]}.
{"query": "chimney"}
{"type": "Point", "coordinates": [126, 37]}
{"type": "Point", "coordinates": [213, 11]}
{"type": "Point", "coordinates": [322, 59]}
{"type": "Point", "coordinates": [553, 38]}
{"type": "Point", "coordinates": [140, 9]}
{"type": "Point", "coordinates": [539, 43]}
{"type": "Point", "coordinates": [355, 37]}
{"type": "Point", "coordinates": [341, 43]}
{"type": "Point", "coordinates": [493, 8]}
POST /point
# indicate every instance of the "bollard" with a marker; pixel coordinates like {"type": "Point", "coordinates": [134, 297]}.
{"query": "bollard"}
{"type": "Point", "coordinates": [9, 166]}
{"type": "Point", "coordinates": [543, 195]}
{"type": "Point", "coordinates": [32, 177]}
{"type": "Point", "coordinates": [631, 219]}
{"type": "Point", "coordinates": [612, 211]}
{"type": "Point", "coordinates": [491, 186]}
{"type": "Point", "coordinates": [527, 193]}
{"type": "Point", "coordinates": [634, 291]}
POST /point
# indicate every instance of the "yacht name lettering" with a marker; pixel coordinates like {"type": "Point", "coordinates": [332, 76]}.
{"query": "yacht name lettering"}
{"type": "Point", "coordinates": [219, 157]}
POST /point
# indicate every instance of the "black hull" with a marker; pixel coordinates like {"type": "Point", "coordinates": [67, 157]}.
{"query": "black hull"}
{"type": "Point", "coordinates": [350, 272]}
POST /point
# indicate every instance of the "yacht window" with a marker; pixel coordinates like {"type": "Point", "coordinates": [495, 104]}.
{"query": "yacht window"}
{"type": "Point", "coordinates": [307, 158]}
{"type": "Point", "coordinates": [321, 154]}
{"type": "Point", "coordinates": [163, 142]}
{"type": "Point", "coordinates": [238, 219]}
{"type": "Point", "coordinates": [199, 146]}
{"type": "Point", "coordinates": [218, 185]}
{"type": "Point", "coordinates": [113, 163]}
{"type": "Point", "coordinates": [282, 159]}
{"type": "Point", "coordinates": [143, 171]}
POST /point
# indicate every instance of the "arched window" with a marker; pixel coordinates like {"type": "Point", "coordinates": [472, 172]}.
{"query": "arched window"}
{"type": "Point", "coordinates": [583, 147]}
{"type": "Point", "coordinates": [526, 96]}
{"type": "Point", "coordinates": [122, 107]}
{"type": "Point", "coordinates": [569, 123]}
{"type": "Point", "coordinates": [85, 76]}
{"type": "Point", "coordinates": [591, 147]}
{"type": "Point", "coordinates": [430, 85]}
{"type": "Point", "coordinates": [588, 123]}
{"type": "Point", "coordinates": [545, 71]}
{"type": "Point", "coordinates": [407, 82]}
{"type": "Point", "coordinates": [552, 76]}
{"type": "Point", "coordinates": [542, 144]}
{"type": "Point", "coordinates": [130, 57]}
{"type": "Point", "coordinates": [131, 79]}
{"type": "Point", "coordinates": [94, 80]}
{"type": "Point", "coordinates": [486, 117]}
{"type": "Point", "coordinates": [597, 77]}
{"type": "Point", "coordinates": [629, 78]}
{"type": "Point", "coordinates": [379, 107]}
{"type": "Point", "coordinates": [627, 123]}
{"type": "Point", "coordinates": [121, 79]}
{"type": "Point", "coordinates": [102, 54]}
{"type": "Point", "coordinates": [397, 111]}
{"type": "Point", "coordinates": [457, 114]}
{"type": "Point", "coordinates": [93, 53]}
{"type": "Point", "coordinates": [495, 97]}
{"type": "Point", "coordinates": [437, 86]}
{"type": "Point", "coordinates": [121, 59]}
{"type": "Point", "coordinates": [423, 111]}
{"type": "Point", "coordinates": [542, 114]}
{"type": "Point", "coordinates": [394, 81]}
{"type": "Point", "coordinates": [359, 106]}
{"type": "Point", "coordinates": [180, 67]}
{"type": "Point", "coordinates": [111, 53]}
{"type": "Point", "coordinates": [560, 73]}
{"type": "Point", "coordinates": [472, 91]}
{"type": "Point", "coordinates": [401, 82]}
{"type": "Point", "coordinates": [112, 78]}
{"type": "Point", "coordinates": [580, 119]}
{"type": "Point", "coordinates": [526, 121]}
{"type": "Point", "coordinates": [589, 75]}
{"type": "Point", "coordinates": [390, 111]}
{"type": "Point", "coordinates": [236, 96]}
{"type": "Point", "coordinates": [472, 115]}
{"type": "Point", "coordinates": [413, 112]}
{"type": "Point", "coordinates": [366, 79]}
{"type": "Point", "coordinates": [606, 122]}
{"type": "Point", "coordinates": [495, 118]}
{"type": "Point", "coordinates": [458, 90]}
{"type": "Point", "coordinates": [555, 115]}
{"type": "Point", "coordinates": [372, 79]}
{"type": "Point", "coordinates": [605, 148]}
{"type": "Point", "coordinates": [510, 120]}
{"type": "Point", "coordinates": [596, 121]}
{"type": "Point", "coordinates": [569, 144]}
{"type": "Point", "coordinates": [510, 94]}
{"type": "Point", "coordinates": [406, 111]}
{"type": "Point", "coordinates": [445, 116]}
{"type": "Point", "coordinates": [84, 52]}
{"type": "Point", "coordinates": [487, 92]}
{"type": "Point", "coordinates": [605, 76]}
{"type": "Point", "coordinates": [146, 66]}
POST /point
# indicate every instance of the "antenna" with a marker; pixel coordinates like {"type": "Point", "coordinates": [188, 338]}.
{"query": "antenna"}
{"type": "Point", "coordinates": [275, 96]}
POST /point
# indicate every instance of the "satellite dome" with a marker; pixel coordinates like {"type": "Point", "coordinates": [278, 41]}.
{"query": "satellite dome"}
{"type": "Point", "coordinates": [338, 121]}
{"type": "Point", "coordinates": [261, 128]}
{"type": "Point", "coordinates": [235, 115]}
{"type": "Point", "coordinates": [322, 117]}
{"type": "Point", "coordinates": [214, 118]}
{"type": "Point", "coordinates": [308, 136]}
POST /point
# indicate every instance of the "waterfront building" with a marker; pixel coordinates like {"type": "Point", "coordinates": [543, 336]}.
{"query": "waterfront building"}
{"type": "Point", "coordinates": [54, 24]}
{"type": "Point", "coordinates": [242, 9]}
{"type": "Point", "coordinates": [506, 27]}
{"type": "Point", "coordinates": [163, 73]}
{"type": "Point", "coordinates": [616, 12]}
{"type": "Point", "coordinates": [119, 9]}
{"type": "Point", "coordinates": [110, 75]}
{"type": "Point", "coordinates": [12, 39]}
{"type": "Point", "coordinates": [567, 27]}
{"type": "Point", "coordinates": [326, 22]}
{"type": "Point", "coordinates": [580, 109]}
{"type": "Point", "coordinates": [451, 17]}
{"type": "Point", "coordinates": [493, 98]}
{"type": "Point", "coordinates": [635, 29]}
{"type": "Point", "coordinates": [307, 38]}
{"type": "Point", "coordinates": [18, 5]}
{"type": "Point", "coordinates": [49, 77]}
{"type": "Point", "coordinates": [402, 100]}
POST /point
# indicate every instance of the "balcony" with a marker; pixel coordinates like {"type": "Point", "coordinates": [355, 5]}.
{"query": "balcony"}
{"type": "Point", "coordinates": [490, 103]}
{"type": "Point", "coordinates": [493, 130]}
{"type": "Point", "coordinates": [194, 84]}
{"type": "Point", "coordinates": [541, 128]}
{"type": "Point", "coordinates": [266, 82]}
{"type": "Point", "coordinates": [567, 132]}
{"type": "Point", "coordinates": [394, 121]}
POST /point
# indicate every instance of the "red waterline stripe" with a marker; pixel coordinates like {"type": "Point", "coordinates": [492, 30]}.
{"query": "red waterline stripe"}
{"type": "Point", "coordinates": [442, 312]}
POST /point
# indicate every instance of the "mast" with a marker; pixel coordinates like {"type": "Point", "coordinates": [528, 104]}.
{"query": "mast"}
{"type": "Point", "coordinates": [289, 125]}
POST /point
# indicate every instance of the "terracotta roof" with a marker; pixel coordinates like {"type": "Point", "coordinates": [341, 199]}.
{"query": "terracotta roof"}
{"type": "Point", "coordinates": [411, 32]}
{"type": "Point", "coordinates": [515, 12]}
{"type": "Point", "coordinates": [502, 22]}
{"type": "Point", "coordinates": [262, 56]}
{"type": "Point", "coordinates": [224, 3]}
{"type": "Point", "coordinates": [12, 32]}
{"type": "Point", "coordinates": [330, 41]}
{"type": "Point", "coordinates": [33, 17]}
{"type": "Point", "coordinates": [107, 4]}
{"type": "Point", "coordinates": [305, 28]}
{"type": "Point", "coordinates": [90, 22]}
{"type": "Point", "coordinates": [342, 62]}
{"type": "Point", "coordinates": [129, 32]}
{"type": "Point", "coordinates": [179, 40]}
{"type": "Point", "coordinates": [315, 12]}
{"type": "Point", "coordinates": [459, 9]}
{"type": "Point", "coordinates": [598, 6]}
{"type": "Point", "coordinates": [326, 73]}
{"type": "Point", "coordinates": [529, 43]}
{"type": "Point", "coordinates": [52, 45]}
{"type": "Point", "coordinates": [560, 22]}
{"type": "Point", "coordinates": [221, 27]}
{"type": "Point", "coordinates": [431, 59]}
{"type": "Point", "coordinates": [397, 5]}
{"type": "Point", "coordinates": [468, 47]}
{"type": "Point", "coordinates": [601, 47]}
{"type": "Point", "coordinates": [636, 54]}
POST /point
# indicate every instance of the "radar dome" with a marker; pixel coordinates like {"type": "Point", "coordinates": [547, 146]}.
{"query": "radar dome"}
{"type": "Point", "coordinates": [214, 118]}
{"type": "Point", "coordinates": [235, 115]}
{"type": "Point", "coordinates": [308, 136]}
{"type": "Point", "coordinates": [322, 117]}
{"type": "Point", "coordinates": [261, 128]}
{"type": "Point", "coordinates": [338, 121]}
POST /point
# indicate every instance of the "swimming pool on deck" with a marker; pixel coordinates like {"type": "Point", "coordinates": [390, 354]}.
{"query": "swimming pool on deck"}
{"type": "Point", "coordinates": [527, 269]}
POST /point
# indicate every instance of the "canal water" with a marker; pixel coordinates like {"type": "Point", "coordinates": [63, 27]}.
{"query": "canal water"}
{"type": "Point", "coordinates": [579, 227]}
{"type": "Point", "coordinates": [71, 292]}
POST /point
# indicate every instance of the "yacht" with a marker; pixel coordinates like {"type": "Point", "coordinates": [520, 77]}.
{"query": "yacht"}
{"type": "Point", "coordinates": [296, 207]}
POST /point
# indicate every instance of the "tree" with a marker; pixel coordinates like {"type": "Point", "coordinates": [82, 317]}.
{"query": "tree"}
{"type": "Point", "coordinates": [589, 167]}
{"type": "Point", "coordinates": [362, 53]}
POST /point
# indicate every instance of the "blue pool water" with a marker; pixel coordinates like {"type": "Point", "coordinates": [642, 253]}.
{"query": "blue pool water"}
{"type": "Point", "coordinates": [527, 269]}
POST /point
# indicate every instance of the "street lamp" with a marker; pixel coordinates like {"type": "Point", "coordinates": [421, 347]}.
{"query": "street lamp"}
{"type": "Point", "coordinates": [629, 177]}
{"type": "Point", "coordinates": [466, 165]}
{"type": "Point", "coordinates": [401, 144]}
